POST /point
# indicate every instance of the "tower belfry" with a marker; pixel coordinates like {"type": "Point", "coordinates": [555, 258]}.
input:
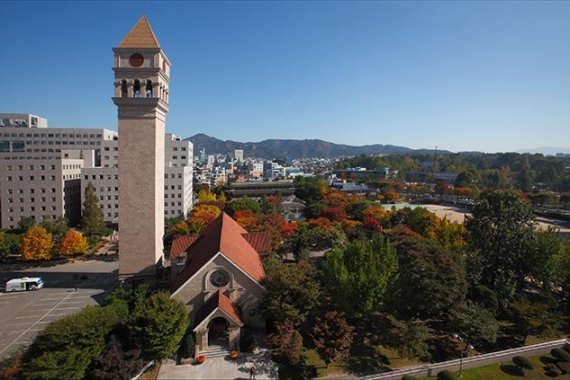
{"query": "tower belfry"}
{"type": "Point", "coordinates": [142, 74]}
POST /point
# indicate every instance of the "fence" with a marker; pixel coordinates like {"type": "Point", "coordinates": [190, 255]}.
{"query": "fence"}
{"type": "Point", "coordinates": [475, 361]}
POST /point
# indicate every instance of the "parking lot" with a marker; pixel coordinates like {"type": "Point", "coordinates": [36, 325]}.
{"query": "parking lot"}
{"type": "Point", "coordinates": [68, 288]}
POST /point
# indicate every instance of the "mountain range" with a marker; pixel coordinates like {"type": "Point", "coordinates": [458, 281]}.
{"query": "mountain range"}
{"type": "Point", "coordinates": [290, 149]}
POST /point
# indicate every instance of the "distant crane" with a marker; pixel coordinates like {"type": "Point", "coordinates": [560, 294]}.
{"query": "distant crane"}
{"type": "Point", "coordinates": [434, 165]}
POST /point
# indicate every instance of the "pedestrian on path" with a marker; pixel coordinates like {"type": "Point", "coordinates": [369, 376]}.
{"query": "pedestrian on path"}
{"type": "Point", "coordinates": [252, 372]}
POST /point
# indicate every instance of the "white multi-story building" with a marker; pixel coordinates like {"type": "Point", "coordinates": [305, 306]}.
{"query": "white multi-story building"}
{"type": "Point", "coordinates": [238, 155]}
{"type": "Point", "coordinates": [44, 171]}
{"type": "Point", "coordinates": [177, 178]}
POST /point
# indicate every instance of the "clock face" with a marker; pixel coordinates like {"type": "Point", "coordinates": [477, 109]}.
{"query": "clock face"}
{"type": "Point", "coordinates": [136, 60]}
{"type": "Point", "coordinates": [220, 278]}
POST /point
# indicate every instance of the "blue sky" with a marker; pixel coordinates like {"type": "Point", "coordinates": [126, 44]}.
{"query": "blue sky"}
{"type": "Point", "coordinates": [488, 76]}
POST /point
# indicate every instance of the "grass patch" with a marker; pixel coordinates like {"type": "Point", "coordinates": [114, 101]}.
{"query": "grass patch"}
{"type": "Point", "coordinates": [334, 369]}
{"type": "Point", "coordinates": [508, 371]}
{"type": "Point", "coordinates": [395, 360]}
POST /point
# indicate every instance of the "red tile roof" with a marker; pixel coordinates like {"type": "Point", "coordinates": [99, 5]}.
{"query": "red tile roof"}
{"type": "Point", "coordinates": [218, 300]}
{"type": "Point", "coordinates": [180, 244]}
{"type": "Point", "coordinates": [226, 236]}
{"type": "Point", "coordinates": [260, 241]}
{"type": "Point", "coordinates": [140, 36]}
{"type": "Point", "coordinates": [226, 305]}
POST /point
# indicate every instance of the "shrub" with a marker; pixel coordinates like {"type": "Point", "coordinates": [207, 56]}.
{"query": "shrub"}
{"type": "Point", "coordinates": [188, 345]}
{"type": "Point", "coordinates": [560, 354]}
{"type": "Point", "coordinates": [446, 375]}
{"type": "Point", "coordinates": [522, 362]}
{"type": "Point", "coordinates": [566, 348]}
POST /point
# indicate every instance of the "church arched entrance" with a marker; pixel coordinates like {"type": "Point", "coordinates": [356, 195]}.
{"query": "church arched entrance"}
{"type": "Point", "coordinates": [218, 333]}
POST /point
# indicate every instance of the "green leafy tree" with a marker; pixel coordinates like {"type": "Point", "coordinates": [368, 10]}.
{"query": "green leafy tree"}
{"type": "Point", "coordinates": [66, 347]}
{"type": "Point", "coordinates": [243, 204]}
{"type": "Point", "coordinates": [57, 227]}
{"type": "Point", "coordinates": [157, 325]}
{"type": "Point", "coordinates": [310, 190]}
{"type": "Point", "coordinates": [92, 215]}
{"type": "Point", "coordinates": [332, 336]}
{"type": "Point", "coordinates": [431, 279]}
{"type": "Point", "coordinates": [293, 291]}
{"type": "Point", "coordinates": [359, 276]}
{"type": "Point", "coordinates": [25, 223]}
{"type": "Point", "coordinates": [501, 237]}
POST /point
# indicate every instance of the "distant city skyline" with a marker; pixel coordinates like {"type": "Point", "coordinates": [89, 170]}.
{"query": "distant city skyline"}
{"type": "Point", "coordinates": [476, 76]}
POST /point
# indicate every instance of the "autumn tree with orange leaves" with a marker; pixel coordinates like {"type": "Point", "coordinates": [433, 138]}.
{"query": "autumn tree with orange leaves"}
{"type": "Point", "coordinates": [37, 244]}
{"type": "Point", "coordinates": [73, 242]}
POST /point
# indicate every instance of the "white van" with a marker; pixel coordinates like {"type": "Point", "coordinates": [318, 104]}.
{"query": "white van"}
{"type": "Point", "coordinates": [25, 283]}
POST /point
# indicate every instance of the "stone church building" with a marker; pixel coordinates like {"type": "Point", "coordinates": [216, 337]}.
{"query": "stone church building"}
{"type": "Point", "coordinates": [218, 275]}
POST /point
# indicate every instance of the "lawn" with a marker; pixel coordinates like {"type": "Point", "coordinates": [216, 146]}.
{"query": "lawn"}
{"type": "Point", "coordinates": [507, 370]}
{"type": "Point", "coordinates": [334, 369]}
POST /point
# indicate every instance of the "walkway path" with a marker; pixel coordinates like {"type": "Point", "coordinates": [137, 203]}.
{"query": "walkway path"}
{"type": "Point", "coordinates": [223, 368]}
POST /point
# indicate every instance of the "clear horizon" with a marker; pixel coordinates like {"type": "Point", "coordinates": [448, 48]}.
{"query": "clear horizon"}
{"type": "Point", "coordinates": [461, 76]}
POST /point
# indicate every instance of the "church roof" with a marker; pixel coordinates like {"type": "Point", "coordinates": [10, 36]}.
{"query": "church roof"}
{"type": "Point", "coordinates": [140, 36]}
{"type": "Point", "coordinates": [180, 244]}
{"type": "Point", "coordinates": [221, 302]}
{"type": "Point", "coordinates": [260, 241]}
{"type": "Point", "coordinates": [226, 236]}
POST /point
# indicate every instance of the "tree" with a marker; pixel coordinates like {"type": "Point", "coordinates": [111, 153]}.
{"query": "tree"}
{"type": "Point", "coordinates": [292, 292]}
{"type": "Point", "coordinates": [310, 190]}
{"type": "Point", "coordinates": [475, 323]}
{"type": "Point", "coordinates": [417, 219]}
{"type": "Point", "coordinates": [57, 227]}
{"type": "Point", "coordinates": [92, 216]}
{"type": "Point", "coordinates": [431, 279]}
{"type": "Point", "coordinates": [204, 213]}
{"type": "Point", "coordinates": [115, 363]}
{"type": "Point", "coordinates": [409, 338]}
{"type": "Point", "coordinates": [287, 344]}
{"type": "Point", "coordinates": [37, 244]}
{"type": "Point", "coordinates": [243, 204]}
{"type": "Point", "coordinates": [157, 325]}
{"type": "Point", "coordinates": [536, 316]}
{"type": "Point", "coordinates": [359, 276]}
{"type": "Point", "coordinates": [73, 242]}
{"type": "Point", "coordinates": [332, 336]}
{"type": "Point", "coordinates": [501, 237]}
{"type": "Point", "coordinates": [66, 347]}
{"type": "Point", "coordinates": [25, 223]}
{"type": "Point", "coordinates": [9, 244]}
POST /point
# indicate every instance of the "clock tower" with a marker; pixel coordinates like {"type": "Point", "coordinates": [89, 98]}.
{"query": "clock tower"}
{"type": "Point", "coordinates": [142, 74]}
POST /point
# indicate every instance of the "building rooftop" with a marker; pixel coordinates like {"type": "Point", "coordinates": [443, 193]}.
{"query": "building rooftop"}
{"type": "Point", "coordinates": [140, 36]}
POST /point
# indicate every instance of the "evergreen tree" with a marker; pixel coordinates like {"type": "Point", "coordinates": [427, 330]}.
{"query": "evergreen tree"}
{"type": "Point", "coordinates": [501, 237]}
{"type": "Point", "coordinates": [92, 216]}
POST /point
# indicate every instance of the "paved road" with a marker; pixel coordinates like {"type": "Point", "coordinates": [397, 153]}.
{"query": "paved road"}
{"type": "Point", "coordinates": [24, 314]}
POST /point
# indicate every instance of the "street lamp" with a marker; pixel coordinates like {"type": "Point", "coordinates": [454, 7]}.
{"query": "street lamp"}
{"type": "Point", "coordinates": [463, 351]}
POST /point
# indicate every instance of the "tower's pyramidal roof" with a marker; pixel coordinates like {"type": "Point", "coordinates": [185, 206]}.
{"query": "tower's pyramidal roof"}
{"type": "Point", "coordinates": [141, 36]}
